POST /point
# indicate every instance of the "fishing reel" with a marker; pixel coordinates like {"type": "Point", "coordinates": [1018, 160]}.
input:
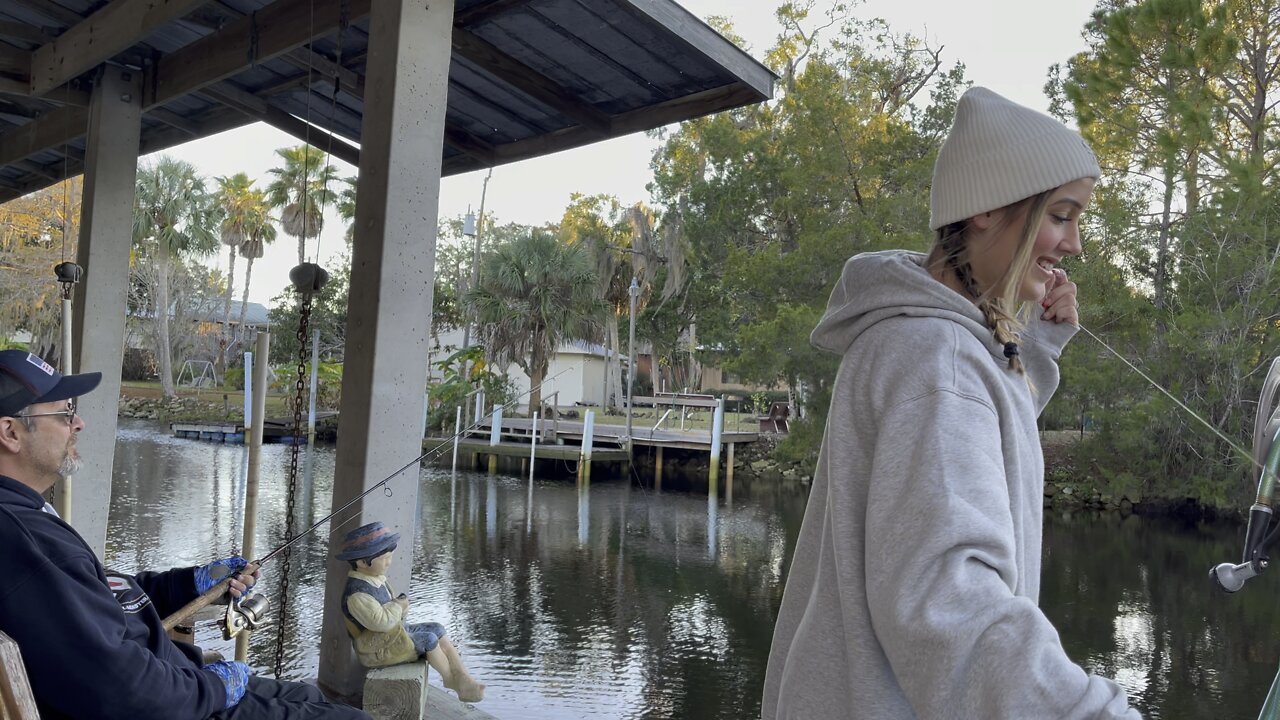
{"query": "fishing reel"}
{"type": "Point", "coordinates": [244, 614]}
{"type": "Point", "coordinates": [1264, 529]}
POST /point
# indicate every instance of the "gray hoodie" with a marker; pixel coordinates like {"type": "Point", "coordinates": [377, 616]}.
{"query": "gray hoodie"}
{"type": "Point", "coordinates": [913, 590]}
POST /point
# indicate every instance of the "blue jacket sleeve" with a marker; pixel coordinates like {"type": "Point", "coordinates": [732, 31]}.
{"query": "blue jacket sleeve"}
{"type": "Point", "coordinates": [86, 655]}
{"type": "Point", "coordinates": [169, 590]}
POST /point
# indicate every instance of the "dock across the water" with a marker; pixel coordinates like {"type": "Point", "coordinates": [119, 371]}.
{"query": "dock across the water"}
{"type": "Point", "coordinates": [278, 429]}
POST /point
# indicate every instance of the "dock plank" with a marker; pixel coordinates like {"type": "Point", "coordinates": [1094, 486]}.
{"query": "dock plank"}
{"type": "Point", "coordinates": [444, 705]}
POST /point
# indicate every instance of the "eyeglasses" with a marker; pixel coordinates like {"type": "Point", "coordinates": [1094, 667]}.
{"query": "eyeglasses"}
{"type": "Point", "coordinates": [70, 413]}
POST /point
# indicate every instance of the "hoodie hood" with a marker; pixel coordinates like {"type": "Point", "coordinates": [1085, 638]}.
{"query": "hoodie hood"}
{"type": "Point", "coordinates": [880, 285]}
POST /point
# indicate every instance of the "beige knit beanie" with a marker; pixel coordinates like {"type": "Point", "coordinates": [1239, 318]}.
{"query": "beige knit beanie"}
{"type": "Point", "coordinates": [999, 152]}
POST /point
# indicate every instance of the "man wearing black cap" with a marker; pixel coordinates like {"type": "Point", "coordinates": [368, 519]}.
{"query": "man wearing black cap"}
{"type": "Point", "coordinates": [93, 641]}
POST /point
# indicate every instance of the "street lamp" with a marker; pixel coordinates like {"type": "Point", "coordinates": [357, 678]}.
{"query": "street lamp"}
{"type": "Point", "coordinates": [634, 291]}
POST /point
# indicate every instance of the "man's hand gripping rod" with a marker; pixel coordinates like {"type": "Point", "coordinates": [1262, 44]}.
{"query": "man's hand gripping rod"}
{"type": "Point", "coordinates": [214, 593]}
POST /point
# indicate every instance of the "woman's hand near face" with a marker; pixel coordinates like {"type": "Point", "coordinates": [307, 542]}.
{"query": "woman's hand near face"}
{"type": "Point", "coordinates": [1059, 304]}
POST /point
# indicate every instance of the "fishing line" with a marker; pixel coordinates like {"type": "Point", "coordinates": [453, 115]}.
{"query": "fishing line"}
{"type": "Point", "coordinates": [424, 456]}
{"type": "Point", "coordinates": [217, 590]}
{"type": "Point", "coordinates": [1245, 453]}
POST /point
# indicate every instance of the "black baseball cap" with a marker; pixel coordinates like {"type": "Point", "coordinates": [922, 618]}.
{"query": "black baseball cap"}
{"type": "Point", "coordinates": [26, 379]}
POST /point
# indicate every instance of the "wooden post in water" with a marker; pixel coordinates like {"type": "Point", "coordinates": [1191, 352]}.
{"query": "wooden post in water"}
{"type": "Point", "coordinates": [657, 470]}
{"type": "Point", "coordinates": [457, 434]}
{"type": "Point", "coordinates": [254, 436]}
{"type": "Point", "coordinates": [728, 476]}
{"type": "Point", "coordinates": [495, 436]}
{"type": "Point", "coordinates": [311, 401]}
{"type": "Point", "coordinates": [248, 393]}
{"type": "Point", "coordinates": [713, 474]}
{"type": "Point", "coordinates": [584, 459]}
{"type": "Point", "coordinates": [533, 462]}
{"type": "Point", "coordinates": [533, 450]}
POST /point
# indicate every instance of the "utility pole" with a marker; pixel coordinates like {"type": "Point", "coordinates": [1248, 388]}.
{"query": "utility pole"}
{"type": "Point", "coordinates": [473, 228]}
{"type": "Point", "coordinates": [634, 291]}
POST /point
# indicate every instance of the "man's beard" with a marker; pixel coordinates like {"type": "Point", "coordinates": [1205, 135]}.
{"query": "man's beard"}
{"type": "Point", "coordinates": [71, 463]}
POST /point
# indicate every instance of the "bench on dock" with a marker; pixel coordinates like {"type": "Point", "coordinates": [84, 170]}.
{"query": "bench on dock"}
{"type": "Point", "coordinates": [398, 692]}
{"type": "Point", "coordinates": [688, 400]}
{"type": "Point", "coordinates": [16, 700]}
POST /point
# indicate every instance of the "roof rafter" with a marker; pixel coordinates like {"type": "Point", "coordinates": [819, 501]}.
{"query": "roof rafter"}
{"type": "Point", "coordinates": [259, 109]}
{"type": "Point", "coordinates": [528, 81]}
{"type": "Point", "coordinates": [635, 121]}
{"type": "Point", "coordinates": [111, 30]}
{"type": "Point", "coordinates": [483, 11]}
{"type": "Point", "coordinates": [271, 32]}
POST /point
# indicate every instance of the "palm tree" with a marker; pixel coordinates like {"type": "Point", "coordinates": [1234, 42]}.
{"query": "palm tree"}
{"type": "Point", "coordinates": [261, 235]}
{"type": "Point", "coordinates": [173, 219]}
{"type": "Point", "coordinates": [602, 228]}
{"type": "Point", "coordinates": [233, 199]}
{"type": "Point", "coordinates": [246, 229]}
{"type": "Point", "coordinates": [346, 206]}
{"type": "Point", "coordinates": [534, 292]}
{"type": "Point", "coordinates": [302, 188]}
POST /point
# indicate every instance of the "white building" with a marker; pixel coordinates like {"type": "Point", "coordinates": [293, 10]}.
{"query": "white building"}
{"type": "Point", "coordinates": [576, 372]}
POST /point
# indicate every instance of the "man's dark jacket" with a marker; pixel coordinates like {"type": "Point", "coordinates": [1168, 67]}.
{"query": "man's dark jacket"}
{"type": "Point", "coordinates": [93, 642]}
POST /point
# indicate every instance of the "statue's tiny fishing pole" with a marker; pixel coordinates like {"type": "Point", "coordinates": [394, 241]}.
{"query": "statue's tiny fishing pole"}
{"type": "Point", "coordinates": [217, 591]}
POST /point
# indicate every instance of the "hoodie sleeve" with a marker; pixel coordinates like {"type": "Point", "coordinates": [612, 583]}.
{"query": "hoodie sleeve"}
{"type": "Point", "coordinates": [1043, 342]}
{"type": "Point", "coordinates": [941, 569]}
{"type": "Point", "coordinates": [72, 632]}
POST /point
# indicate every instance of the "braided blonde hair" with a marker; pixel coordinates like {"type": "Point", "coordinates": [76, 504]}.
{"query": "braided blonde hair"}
{"type": "Point", "coordinates": [999, 303]}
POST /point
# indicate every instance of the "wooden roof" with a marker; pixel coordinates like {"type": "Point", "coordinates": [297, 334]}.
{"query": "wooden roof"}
{"type": "Point", "coordinates": [527, 78]}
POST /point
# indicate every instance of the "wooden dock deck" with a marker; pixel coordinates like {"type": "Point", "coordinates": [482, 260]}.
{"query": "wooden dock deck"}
{"type": "Point", "coordinates": [444, 705]}
{"type": "Point", "coordinates": [278, 429]}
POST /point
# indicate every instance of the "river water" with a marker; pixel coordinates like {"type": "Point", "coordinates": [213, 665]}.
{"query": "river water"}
{"type": "Point", "coordinates": [625, 603]}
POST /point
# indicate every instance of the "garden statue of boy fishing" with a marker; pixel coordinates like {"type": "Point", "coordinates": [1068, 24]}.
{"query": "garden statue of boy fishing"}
{"type": "Point", "coordinates": [375, 617]}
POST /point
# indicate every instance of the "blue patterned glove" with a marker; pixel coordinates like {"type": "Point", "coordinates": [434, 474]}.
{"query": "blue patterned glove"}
{"type": "Point", "coordinates": [234, 676]}
{"type": "Point", "coordinates": [215, 572]}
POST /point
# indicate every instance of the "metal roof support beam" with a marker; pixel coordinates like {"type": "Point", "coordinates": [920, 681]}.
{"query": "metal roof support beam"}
{"type": "Point", "coordinates": [53, 129]}
{"type": "Point", "coordinates": [269, 33]}
{"type": "Point", "coordinates": [529, 81]}
{"type": "Point", "coordinates": [392, 272]}
{"type": "Point", "coordinates": [259, 109]}
{"type": "Point", "coordinates": [699, 39]}
{"type": "Point", "coordinates": [690, 106]}
{"type": "Point", "coordinates": [116, 27]}
{"type": "Point", "coordinates": [481, 12]}
{"type": "Point", "coordinates": [106, 233]}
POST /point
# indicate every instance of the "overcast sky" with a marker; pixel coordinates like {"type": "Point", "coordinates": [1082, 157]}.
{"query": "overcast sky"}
{"type": "Point", "coordinates": [1007, 45]}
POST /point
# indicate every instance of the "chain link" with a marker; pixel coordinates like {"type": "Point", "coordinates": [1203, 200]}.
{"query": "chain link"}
{"type": "Point", "coordinates": [300, 390]}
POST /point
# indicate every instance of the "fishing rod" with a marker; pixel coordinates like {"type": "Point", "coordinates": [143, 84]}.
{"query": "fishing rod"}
{"type": "Point", "coordinates": [247, 613]}
{"type": "Point", "coordinates": [1263, 529]}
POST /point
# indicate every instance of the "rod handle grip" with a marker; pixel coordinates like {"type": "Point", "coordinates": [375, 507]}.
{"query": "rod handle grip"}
{"type": "Point", "coordinates": [205, 599]}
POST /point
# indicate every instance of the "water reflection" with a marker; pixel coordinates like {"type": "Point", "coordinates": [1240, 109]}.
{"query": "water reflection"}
{"type": "Point", "coordinates": [617, 602]}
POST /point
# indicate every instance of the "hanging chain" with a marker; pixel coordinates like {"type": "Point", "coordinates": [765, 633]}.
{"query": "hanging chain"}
{"type": "Point", "coordinates": [299, 398]}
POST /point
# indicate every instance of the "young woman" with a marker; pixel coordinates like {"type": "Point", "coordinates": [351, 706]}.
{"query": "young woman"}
{"type": "Point", "coordinates": [913, 590]}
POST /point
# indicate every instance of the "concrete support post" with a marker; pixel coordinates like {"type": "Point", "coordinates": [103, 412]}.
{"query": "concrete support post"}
{"type": "Point", "coordinates": [392, 271]}
{"type": "Point", "coordinates": [106, 233]}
